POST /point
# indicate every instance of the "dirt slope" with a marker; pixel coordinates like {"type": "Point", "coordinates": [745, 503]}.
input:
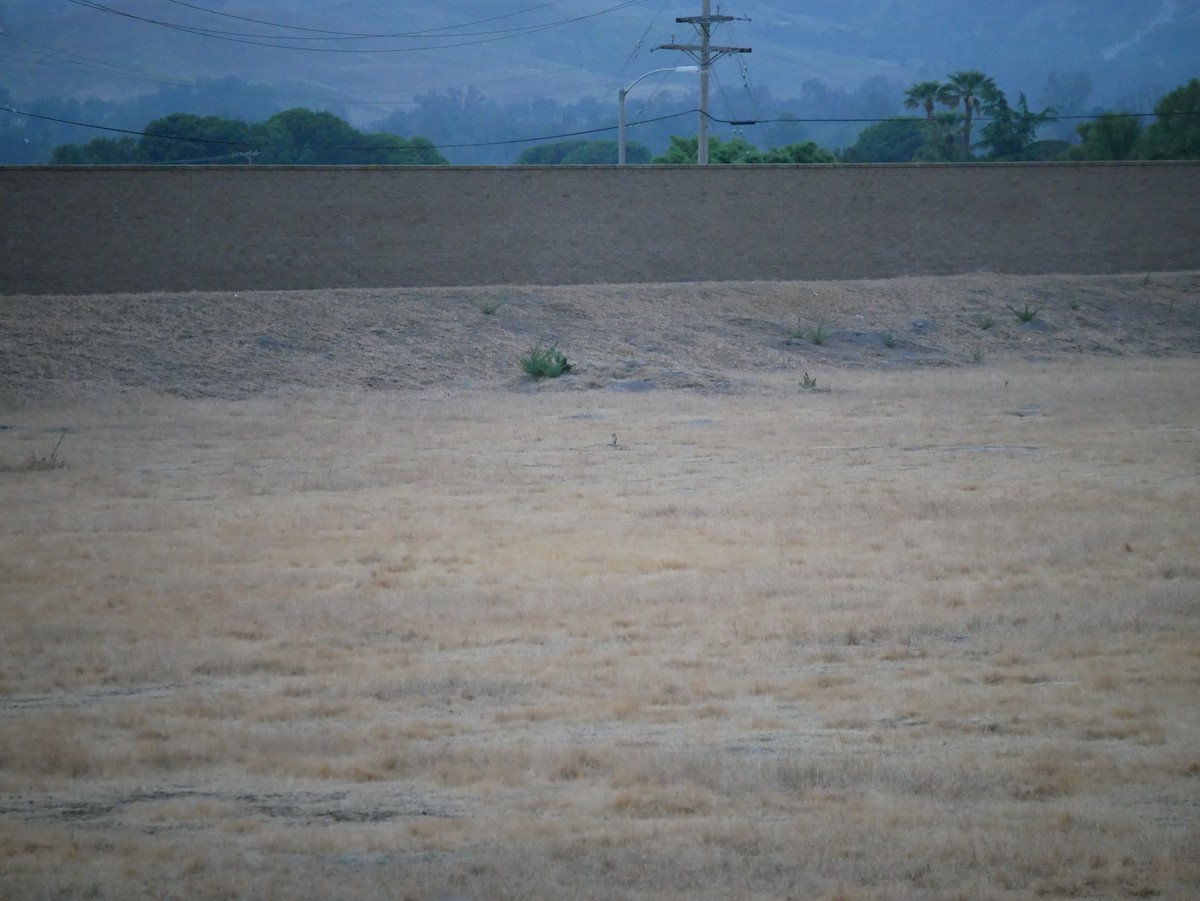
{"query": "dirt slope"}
{"type": "Point", "coordinates": [700, 335]}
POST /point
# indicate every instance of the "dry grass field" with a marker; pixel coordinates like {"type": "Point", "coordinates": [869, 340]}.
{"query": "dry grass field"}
{"type": "Point", "coordinates": [321, 597]}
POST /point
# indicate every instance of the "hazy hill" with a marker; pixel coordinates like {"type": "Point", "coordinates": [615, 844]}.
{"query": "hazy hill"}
{"type": "Point", "coordinates": [1105, 53]}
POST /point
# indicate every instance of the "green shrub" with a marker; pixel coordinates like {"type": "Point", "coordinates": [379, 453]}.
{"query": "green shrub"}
{"type": "Point", "coordinates": [1026, 313]}
{"type": "Point", "coordinates": [544, 362]}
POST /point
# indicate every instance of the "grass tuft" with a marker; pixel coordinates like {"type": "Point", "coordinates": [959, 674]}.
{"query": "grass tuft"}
{"type": "Point", "coordinates": [985, 321]}
{"type": "Point", "coordinates": [544, 362]}
{"type": "Point", "coordinates": [818, 335]}
{"type": "Point", "coordinates": [1027, 313]}
{"type": "Point", "coordinates": [35, 463]}
{"type": "Point", "coordinates": [488, 306]}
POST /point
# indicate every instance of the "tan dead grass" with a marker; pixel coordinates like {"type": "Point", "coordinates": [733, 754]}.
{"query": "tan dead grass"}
{"type": "Point", "coordinates": [932, 634]}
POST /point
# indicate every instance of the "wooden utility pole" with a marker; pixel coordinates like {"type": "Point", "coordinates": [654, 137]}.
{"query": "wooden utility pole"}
{"type": "Point", "coordinates": [705, 54]}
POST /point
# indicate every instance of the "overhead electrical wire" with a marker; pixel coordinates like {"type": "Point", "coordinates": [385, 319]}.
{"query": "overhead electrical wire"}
{"type": "Point", "coordinates": [72, 62]}
{"type": "Point", "coordinates": [219, 142]}
{"type": "Point", "coordinates": [637, 48]}
{"type": "Point", "coordinates": [751, 93]}
{"type": "Point", "coordinates": [360, 34]}
{"type": "Point", "coordinates": [269, 41]}
{"type": "Point", "coordinates": [529, 140]}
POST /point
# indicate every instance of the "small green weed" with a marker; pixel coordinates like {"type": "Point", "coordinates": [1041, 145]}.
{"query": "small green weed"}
{"type": "Point", "coordinates": [977, 355]}
{"type": "Point", "coordinates": [544, 362]}
{"type": "Point", "coordinates": [818, 335]}
{"type": "Point", "coordinates": [985, 321]}
{"type": "Point", "coordinates": [889, 340]}
{"type": "Point", "coordinates": [1026, 313]}
{"type": "Point", "coordinates": [489, 305]}
{"type": "Point", "coordinates": [808, 383]}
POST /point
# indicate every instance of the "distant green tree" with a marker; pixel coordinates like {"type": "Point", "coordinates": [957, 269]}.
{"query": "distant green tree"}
{"type": "Point", "coordinates": [547, 154]}
{"type": "Point", "coordinates": [736, 151]}
{"type": "Point", "coordinates": [1047, 151]}
{"type": "Point", "coordinates": [1010, 132]}
{"type": "Point", "coordinates": [967, 88]}
{"type": "Point", "coordinates": [896, 140]}
{"type": "Point", "coordinates": [683, 151]}
{"type": "Point", "coordinates": [582, 153]}
{"type": "Point", "coordinates": [1175, 134]}
{"type": "Point", "coordinates": [97, 152]}
{"type": "Point", "coordinates": [800, 152]}
{"type": "Point", "coordinates": [183, 137]}
{"type": "Point", "coordinates": [304, 137]}
{"type": "Point", "coordinates": [941, 139]}
{"type": "Point", "coordinates": [294, 137]}
{"type": "Point", "coordinates": [925, 95]}
{"type": "Point", "coordinates": [426, 152]}
{"type": "Point", "coordinates": [1110, 136]}
{"type": "Point", "coordinates": [789, 128]}
{"type": "Point", "coordinates": [384, 149]}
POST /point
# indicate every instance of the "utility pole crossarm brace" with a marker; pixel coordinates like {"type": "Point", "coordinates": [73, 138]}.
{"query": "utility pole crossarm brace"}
{"type": "Point", "coordinates": [697, 48]}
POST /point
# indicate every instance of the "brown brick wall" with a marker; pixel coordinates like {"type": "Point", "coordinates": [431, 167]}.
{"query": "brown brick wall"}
{"type": "Point", "coordinates": [98, 229]}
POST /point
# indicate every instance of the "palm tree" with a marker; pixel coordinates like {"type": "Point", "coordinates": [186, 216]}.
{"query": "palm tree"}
{"type": "Point", "coordinates": [940, 139]}
{"type": "Point", "coordinates": [924, 94]}
{"type": "Point", "coordinates": [969, 88]}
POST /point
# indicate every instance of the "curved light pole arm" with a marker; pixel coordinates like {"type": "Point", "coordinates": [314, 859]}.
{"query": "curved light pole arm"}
{"type": "Point", "coordinates": [621, 105]}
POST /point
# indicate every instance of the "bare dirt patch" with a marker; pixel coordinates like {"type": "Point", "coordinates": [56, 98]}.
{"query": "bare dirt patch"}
{"type": "Point", "coordinates": [928, 630]}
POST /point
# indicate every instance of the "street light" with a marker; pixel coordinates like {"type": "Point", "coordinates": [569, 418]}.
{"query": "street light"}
{"type": "Point", "coordinates": [621, 105]}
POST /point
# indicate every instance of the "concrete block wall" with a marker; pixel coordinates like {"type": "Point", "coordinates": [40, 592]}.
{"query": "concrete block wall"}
{"type": "Point", "coordinates": [119, 229]}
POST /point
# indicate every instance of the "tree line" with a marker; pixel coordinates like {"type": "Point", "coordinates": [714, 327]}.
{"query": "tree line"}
{"type": "Point", "coordinates": [946, 133]}
{"type": "Point", "coordinates": [681, 151]}
{"type": "Point", "coordinates": [967, 117]}
{"type": "Point", "coordinates": [1010, 131]}
{"type": "Point", "coordinates": [295, 137]}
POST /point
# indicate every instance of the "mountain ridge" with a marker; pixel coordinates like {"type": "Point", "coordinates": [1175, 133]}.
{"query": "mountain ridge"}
{"type": "Point", "coordinates": [1078, 56]}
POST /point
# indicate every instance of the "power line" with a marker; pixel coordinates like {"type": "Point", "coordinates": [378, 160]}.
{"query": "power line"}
{"type": "Point", "coordinates": [268, 40]}
{"type": "Point", "coordinates": [61, 60]}
{"type": "Point", "coordinates": [1121, 115]}
{"type": "Point", "coordinates": [364, 148]}
{"type": "Point", "coordinates": [72, 62]}
{"type": "Point", "coordinates": [358, 34]}
{"type": "Point", "coordinates": [529, 140]}
{"type": "Point", "coordinates": [751, 90]}
{"type": "Point", "coordinates": [637, 48]}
